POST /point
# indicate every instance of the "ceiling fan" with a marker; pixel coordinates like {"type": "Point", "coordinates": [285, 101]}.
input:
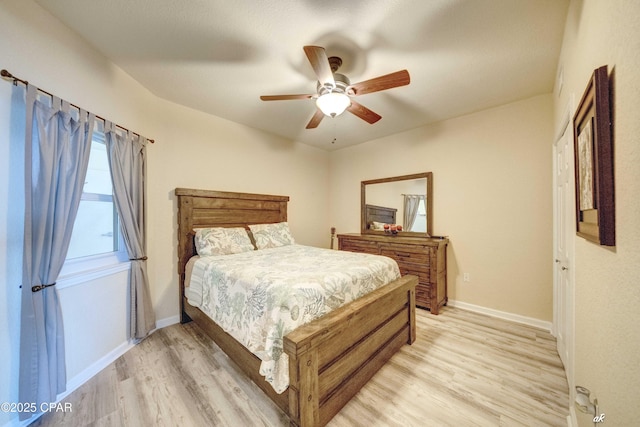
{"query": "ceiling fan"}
{"type": "Point", "coordinates": [335, 92]}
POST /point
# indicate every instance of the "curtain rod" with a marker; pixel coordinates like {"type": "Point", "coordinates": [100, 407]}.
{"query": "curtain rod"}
{"type": "Point", "coordinates": [8, 75]}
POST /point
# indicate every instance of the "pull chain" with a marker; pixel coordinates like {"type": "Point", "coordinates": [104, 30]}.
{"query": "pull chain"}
{"type": "Point", "coordinates": [335, 138]}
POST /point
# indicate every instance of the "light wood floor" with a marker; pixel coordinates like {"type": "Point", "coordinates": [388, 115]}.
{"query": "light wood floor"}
{"type": "Point", "coordinates": [464, 369]}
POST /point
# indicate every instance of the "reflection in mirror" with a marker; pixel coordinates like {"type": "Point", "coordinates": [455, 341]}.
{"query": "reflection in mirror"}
{"type": "Point", "coordinates": [402, 200]}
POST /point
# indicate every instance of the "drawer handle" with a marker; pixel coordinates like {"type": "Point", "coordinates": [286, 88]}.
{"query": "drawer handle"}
{"type": "Point", "coordinates": [403, 255]}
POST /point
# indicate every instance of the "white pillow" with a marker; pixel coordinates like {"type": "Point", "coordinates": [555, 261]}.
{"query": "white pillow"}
{"type": "Point", "coordinates": [222, 241]}
{"type": "Point", "coordinates": [271, 235]}
{"type": "Point", "coordinates": [377, 225]}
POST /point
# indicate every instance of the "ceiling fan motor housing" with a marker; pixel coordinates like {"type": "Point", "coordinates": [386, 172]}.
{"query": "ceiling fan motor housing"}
{"type": "Point", "coordinates": [342, 83]}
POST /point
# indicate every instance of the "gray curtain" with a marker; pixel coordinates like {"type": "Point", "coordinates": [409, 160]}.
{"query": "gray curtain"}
{"type": "Point", "coordinates": [127, 160]}
{"type": "Point", "coordinates": [411, 204]}
{"type": "Point", "coordinates": [56, 160]}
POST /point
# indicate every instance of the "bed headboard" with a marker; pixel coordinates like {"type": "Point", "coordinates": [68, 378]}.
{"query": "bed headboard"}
{"type": "Point", "coordinates": [203, 208]}
{"type": "Point", "coordinates": [379, 214]}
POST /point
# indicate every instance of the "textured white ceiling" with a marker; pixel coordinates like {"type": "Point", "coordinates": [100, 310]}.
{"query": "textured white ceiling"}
{"type": "Point", "coordinates": [219, 56]}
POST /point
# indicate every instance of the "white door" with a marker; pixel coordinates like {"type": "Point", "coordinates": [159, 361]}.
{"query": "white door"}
{"type": "Point", "coordinates": [564, 225]}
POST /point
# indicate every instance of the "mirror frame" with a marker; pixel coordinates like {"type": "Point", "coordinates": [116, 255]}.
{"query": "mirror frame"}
{"type": "Point", "coordinates": [429, 203]}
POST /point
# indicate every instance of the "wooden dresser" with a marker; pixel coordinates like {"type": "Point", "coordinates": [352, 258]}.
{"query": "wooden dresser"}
{"type": "Point", "coordinates": [421, 256]}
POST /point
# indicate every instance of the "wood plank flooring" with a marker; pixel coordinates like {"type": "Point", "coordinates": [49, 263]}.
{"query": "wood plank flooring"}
{"type": "Point", "coordinates": [465, 369]}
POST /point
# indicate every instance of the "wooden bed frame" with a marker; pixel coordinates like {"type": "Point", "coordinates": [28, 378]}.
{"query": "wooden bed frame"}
{"type": "Point", "coordinates": [331, 358]}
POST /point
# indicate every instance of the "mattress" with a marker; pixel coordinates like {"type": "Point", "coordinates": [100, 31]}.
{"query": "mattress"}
{"type": "Point", "coordinates": [260, 296]}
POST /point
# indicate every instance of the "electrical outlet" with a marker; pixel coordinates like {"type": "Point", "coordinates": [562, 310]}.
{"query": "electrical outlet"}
{"type": "Point", "coordinates": [466, 277]}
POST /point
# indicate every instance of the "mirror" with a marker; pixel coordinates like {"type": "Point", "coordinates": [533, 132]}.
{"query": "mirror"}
{"type": "Point", "coordinates": [404, 200]}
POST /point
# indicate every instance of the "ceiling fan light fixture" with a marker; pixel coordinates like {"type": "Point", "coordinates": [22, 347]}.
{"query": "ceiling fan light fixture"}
{"type": "Point", "coordinates": [333, 103]}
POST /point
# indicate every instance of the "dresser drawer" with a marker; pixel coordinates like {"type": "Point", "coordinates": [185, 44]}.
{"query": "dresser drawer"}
{"type": "Point", "coordinates": [407, 253]}
{"type": "Point", "coordinates": [359, 246]}
{"type": "Point", "coordinates": [422, 271]}
{"type": "Point", "coordinates": [423, 296]}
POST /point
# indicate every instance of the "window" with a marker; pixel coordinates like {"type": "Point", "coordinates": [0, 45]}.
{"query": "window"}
{"type": "Point", "coordinates": [420, 223]}
{"type": "Point", "coordinates": [96, 230]}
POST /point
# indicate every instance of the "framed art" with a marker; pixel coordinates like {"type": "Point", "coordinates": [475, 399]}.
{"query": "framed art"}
{"type": "Point", "coordinates": [593, 151]}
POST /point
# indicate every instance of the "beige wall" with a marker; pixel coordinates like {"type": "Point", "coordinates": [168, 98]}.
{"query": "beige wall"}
{"type": "Point", "coordinates": [492, 197]}
{"type": "Point", "coordinates": [196, 150]}
{"type": "Point", "coordinates": [607, 290]}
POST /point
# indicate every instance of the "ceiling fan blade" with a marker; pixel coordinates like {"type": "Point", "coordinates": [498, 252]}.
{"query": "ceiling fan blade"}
{"type": "Point", "coordinates": [284, 97]}
{"type": "Point", "coordinates": [320, 64]}
{"type": "Point", "coordinates": [388, 81]}
{"type": "Point", "coordinates": [315, 120]}
{"type": "Point", "coordinates": [363, 112]}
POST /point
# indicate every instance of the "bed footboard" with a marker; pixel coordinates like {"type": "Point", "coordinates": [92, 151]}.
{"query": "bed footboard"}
{"type": "Point", "coordinates": [331, 358]}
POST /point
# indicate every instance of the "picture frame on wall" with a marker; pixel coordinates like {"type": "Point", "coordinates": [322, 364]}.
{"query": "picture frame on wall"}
{"type": "Point", "coordinates": [593, 151]}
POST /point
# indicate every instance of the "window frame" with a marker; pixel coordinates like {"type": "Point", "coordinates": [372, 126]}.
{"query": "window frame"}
{"type": "Point", "coordinates": [81, 269]}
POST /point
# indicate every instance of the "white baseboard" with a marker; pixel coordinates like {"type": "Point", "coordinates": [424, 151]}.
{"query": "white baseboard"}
{"type": "Point", "coordinates": [88, 373]}
{"type": "Point", "coordinates": [97, 366]}
{"type": "Point", "coordinates": [109, 358]}
{"type": "Point", "coordinates": [537, 323]}
{"type": "Point", "coordinates": [84, 376]}
{"type": "Point", "coordinates": [167, 321]}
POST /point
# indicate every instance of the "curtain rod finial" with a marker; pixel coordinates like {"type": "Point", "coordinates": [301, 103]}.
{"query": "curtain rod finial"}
{"type": "Point", "coordinates": [6, 74]}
